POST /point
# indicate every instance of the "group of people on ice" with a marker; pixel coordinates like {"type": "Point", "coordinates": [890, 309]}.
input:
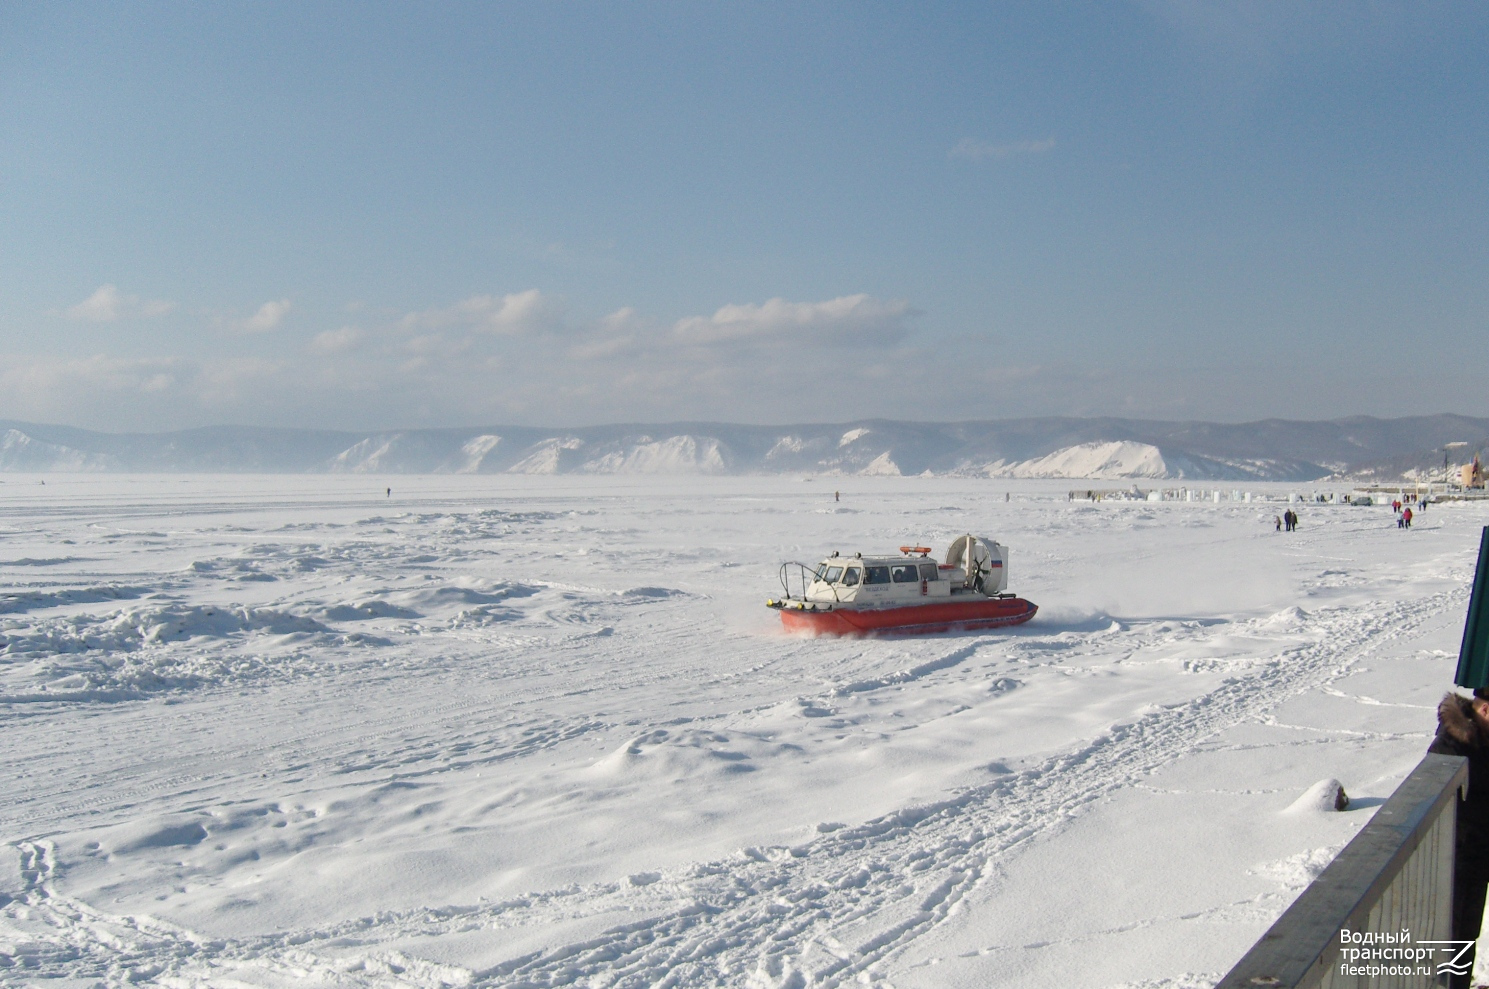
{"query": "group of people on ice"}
{"type": "Point", "coordinates": [1288, 520]}
{"type": "Point", "coordinates": [1403, 512]}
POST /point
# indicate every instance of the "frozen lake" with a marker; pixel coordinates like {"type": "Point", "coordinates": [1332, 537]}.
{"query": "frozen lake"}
{"type": "Point", "coordinates": [287, 731]}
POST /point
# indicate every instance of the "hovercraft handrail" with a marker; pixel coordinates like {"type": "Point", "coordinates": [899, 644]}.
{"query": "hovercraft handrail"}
{"type": "Point", "coordinates": [806, 575]}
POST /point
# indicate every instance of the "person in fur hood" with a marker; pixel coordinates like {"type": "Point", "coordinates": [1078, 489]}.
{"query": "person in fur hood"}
{"type": "Point", "coordinates": [1463, 730]}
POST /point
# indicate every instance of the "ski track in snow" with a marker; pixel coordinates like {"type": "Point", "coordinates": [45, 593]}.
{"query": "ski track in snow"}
{"type": "Point", "coordinates": [828, 911]}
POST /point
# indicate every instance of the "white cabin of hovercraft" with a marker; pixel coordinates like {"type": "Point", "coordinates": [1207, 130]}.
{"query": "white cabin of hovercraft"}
{"type": "Point", "coordinates": [972, 566]}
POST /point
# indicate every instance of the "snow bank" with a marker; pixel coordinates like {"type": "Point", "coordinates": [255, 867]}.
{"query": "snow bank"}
{"type": "Point", "coordinates": [126, 654]}
{"type": "Point", "coordinates": [1323, 797]}
{"type": "Point", "coordinates": [14, 602]}
{"type": "Point", "coordinates": [138, 628]}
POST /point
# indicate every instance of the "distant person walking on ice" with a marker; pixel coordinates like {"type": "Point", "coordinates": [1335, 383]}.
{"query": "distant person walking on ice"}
{"type": "Point", "coordinates": [1278, 520]}
{"type": "Point", "coordinates": [1406, 518]}
{"type": "Point", "coordinates": [1463, 730]}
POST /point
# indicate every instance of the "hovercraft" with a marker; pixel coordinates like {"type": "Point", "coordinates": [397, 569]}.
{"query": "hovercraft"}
{"type": "Point", "coordinates": [906, 594]}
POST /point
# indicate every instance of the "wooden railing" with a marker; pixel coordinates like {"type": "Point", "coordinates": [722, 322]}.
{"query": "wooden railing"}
{"type": "Point", "coordinates": [1380, 914]}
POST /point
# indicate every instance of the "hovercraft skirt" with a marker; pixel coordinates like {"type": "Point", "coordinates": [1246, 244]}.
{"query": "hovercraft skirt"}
{"type": "Point", "coordinates": [915, 620]}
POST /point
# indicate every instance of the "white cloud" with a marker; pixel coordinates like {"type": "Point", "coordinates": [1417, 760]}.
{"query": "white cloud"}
{"type": "Point", "coordinates": [496, 358]}
{"type": "Point", "coordinates": [847, 319]}
{"type": "Point", "coordinates": [121, 377]}
{"type": "Point", "coordinates": [773, 361]}
{"type": "Point", "coordinates": [152, 393]}
{"type": "Point", "coordinates": [977, 150]}
{"type": "Point", "coordinates": [268, 317]}
{"type": "Point", "coordinates": [516, 357]}
{"type": "Point", "coordinates": [604, 348]}
{"type": "Point", "coordinates": [337, 341]}
{"type": "Point", "coordinates": [97, 389]}
{"type": "Point", "coordinates": [621, 321]}
{"type": "Point", "coordinates": [107, 304]}
{"type": "Point", "coordinates": [620, 332]}
{"type": "Point", "coordinates": [511, 315]}
{"type": "Point", "coordinates": [100, 307]}
{"type": "Point", "coordinates": [234, 380]}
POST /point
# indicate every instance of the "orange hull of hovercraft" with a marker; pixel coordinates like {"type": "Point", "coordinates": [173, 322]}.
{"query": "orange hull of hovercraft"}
{"type": "Point", "coordinates": [920, 618]}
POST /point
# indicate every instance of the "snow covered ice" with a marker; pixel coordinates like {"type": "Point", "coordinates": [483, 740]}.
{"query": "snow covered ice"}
{"type": "Point", "coordinates": [540, 731]}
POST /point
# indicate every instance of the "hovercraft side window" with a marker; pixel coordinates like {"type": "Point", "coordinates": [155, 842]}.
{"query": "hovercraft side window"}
{"type": "Point", "coordinates": [906, 573]}
{"type": "Point", "coordinates": [832, 574]}
{"type": "Point", "coordinates": [876, 575]}
{"type": "Point", "coordinates": [850, 579]}
{"type": "Point", "coordinates": [928, 572]}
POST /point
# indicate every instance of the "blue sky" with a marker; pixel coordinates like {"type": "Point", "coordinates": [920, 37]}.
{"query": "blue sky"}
{"type": "Point", "coordinates": [368, 216]}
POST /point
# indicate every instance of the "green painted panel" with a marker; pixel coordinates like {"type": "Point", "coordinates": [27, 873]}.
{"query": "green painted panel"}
{"type": "Point", "coordinates": [1473, 655]}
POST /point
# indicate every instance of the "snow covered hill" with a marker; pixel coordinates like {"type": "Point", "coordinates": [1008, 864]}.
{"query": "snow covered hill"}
{"type": "Point", "coordinates": [1125, 459]}
{"type": "Point", "coordinates": [1117, 459]}
{"type": "Point", "coordinates": [1098, 449]}
{"type": "Point", "coordinates": [20, 452]}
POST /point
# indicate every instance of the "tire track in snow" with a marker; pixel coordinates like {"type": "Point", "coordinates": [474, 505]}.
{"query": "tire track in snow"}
{"type": "Point", "coordinates": [826, 913]}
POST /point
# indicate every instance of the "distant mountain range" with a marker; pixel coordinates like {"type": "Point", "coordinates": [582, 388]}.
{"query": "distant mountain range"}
{"type": "Point", "coordinates": [1097, 449]}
